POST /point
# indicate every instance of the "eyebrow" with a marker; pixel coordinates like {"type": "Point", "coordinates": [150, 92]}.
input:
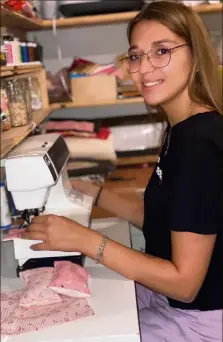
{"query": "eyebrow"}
{"type": "Point", "coordinates": [157, 42]}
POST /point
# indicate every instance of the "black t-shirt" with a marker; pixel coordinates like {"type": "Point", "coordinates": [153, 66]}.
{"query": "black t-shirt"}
{"type": "Point", "coordinates": [185, 193]}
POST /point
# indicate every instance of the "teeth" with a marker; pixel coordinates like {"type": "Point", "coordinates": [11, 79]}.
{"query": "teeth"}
{"type": "Point", "coordinates": [150, 84]}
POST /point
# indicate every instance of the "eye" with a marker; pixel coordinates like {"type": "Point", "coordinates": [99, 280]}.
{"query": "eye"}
{"type": "Point", "coordinates": [162, 51]}
{"type": "Point", "coordinates": [134, 58]}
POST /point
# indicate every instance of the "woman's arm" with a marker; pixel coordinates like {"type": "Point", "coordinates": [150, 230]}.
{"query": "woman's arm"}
{"type": "Point", "coordinates": [132, 211]}
{"type": "Point", "coordinates": [179, 279]}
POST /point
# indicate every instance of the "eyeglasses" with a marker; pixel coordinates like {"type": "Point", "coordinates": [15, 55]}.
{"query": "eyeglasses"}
{"type": "Point", "coordinates": [158, 56]}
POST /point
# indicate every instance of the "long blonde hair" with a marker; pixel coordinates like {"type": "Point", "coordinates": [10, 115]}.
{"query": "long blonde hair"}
{"type": "Point", "coordinates": [204, 86]}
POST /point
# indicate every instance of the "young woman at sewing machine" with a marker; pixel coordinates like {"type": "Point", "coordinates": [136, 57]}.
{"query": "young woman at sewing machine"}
{"type": "Point", "coordinates": [179, 277]}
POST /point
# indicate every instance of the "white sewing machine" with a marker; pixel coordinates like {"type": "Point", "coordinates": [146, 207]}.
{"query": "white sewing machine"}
{"type": "Point", "coordinates": [37, 178]}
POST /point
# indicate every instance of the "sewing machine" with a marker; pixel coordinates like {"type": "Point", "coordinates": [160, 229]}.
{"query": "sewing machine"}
{"type": "Point", "coordinates": [37, 178]}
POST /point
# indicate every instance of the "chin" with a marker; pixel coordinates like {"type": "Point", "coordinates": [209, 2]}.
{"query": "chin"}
{"type": "Point", "coordinates": [153, 101]}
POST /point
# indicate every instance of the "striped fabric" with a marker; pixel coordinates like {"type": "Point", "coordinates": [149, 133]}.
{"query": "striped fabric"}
{"type": "Point", "coordinates": [16, 320]}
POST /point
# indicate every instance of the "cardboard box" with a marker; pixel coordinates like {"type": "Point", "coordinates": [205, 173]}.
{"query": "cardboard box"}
{"type": "Point", "coordinates": [93, 89]}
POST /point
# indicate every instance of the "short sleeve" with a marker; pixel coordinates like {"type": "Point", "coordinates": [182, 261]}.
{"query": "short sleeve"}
{"type": "Point", "coordinates": [195, 189]}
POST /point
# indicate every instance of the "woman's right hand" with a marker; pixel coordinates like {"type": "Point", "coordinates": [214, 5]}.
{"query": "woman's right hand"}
{"type": "Point", "coordinates": [86, 187]}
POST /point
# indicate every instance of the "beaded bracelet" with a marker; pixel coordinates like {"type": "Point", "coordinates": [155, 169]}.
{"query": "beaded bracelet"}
{"type": "Point", "coordinates": [101, 249]}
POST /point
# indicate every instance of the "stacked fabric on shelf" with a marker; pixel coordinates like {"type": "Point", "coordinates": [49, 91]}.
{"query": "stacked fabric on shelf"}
{"type": "Point", "coordinates": [91, 146]}
{"type": "Point", "coordinates": [139, 139]}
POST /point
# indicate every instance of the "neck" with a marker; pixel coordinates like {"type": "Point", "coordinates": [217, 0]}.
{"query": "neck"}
{"type": "Point", "coordinates": [181, 108]}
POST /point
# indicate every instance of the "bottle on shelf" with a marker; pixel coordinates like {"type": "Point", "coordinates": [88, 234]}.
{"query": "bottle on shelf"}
{"type": "Point", "coordinates": [7, 43]}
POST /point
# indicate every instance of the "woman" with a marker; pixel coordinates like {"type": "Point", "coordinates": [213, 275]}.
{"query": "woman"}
{"type": "Point", "coordinates": [179, 278]}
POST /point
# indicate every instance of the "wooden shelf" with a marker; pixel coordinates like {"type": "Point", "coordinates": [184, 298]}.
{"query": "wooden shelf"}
{"type": "Point", "coordinates": [17, 20]}
{"type": "Point", "coordinates": [61, 105]}
{"type": "Point", "coordinates": [123, 161]}
{"type": "Point", "coordinates": [20, 69]}
{"type": "Point", "coordinates": [15, 135]}
{"type": "Point", "coordinates": [115, 17]}
{"type": "Point", "coordinates": [207, 8]}
{"type": "Point", "coordinates": [6, 71]}
{"type": "Point", "coordinates": [98, 19]}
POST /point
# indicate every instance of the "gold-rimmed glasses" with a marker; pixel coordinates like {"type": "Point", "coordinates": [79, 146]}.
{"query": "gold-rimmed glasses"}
{"type": "Point", "coordinates": [158, 56]}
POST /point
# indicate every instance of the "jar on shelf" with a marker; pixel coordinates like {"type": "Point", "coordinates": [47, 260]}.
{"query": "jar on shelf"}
{"type": "Point", "coordinates": [35, 92]}
{"type": "Point", "coordinates": [5, 117]}
{"type": "Point", "coordinates": [17, 105]}
{"type": "Point", "coordinates": [24, 84]}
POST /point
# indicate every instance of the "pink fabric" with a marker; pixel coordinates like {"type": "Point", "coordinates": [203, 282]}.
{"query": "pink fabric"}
{"type": "Point", "coordinates": [14, 233]}
{"type": "Point", "coordinates": [70, 279]}
{"type": "Point", "coordinates": [16, 320]}
{"type": "Point", "coordinates": [82, 126]}
{"type": "Point", "coordinates": [36, 290]}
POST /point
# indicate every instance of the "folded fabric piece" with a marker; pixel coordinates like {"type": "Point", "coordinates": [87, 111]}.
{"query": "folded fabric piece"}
{"type": "Point", "coordinates": [36, 290]}
{"type": "Point", "coordinates": [14, 233]}
{"type": "Point", "coordinates": [16, 320]}
{"type": "Point", "coordinates": [70, 125]}
{"type": "Point", "coordinates": [70, 279]}
{"type": "Point", "coordinates": [74, 134]}
{"type": "Point", "coordinates": [96, 149]}
{"type": "Point", "coordinates": [103, 133]}
{"type": "Point", "coordinates": [137, 137]}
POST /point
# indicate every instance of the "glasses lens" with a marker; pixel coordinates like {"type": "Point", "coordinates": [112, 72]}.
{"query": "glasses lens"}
{"type": "Point", "coordinates": [159, 56]}
{"type": "Point", "coordinates": [131, 61]}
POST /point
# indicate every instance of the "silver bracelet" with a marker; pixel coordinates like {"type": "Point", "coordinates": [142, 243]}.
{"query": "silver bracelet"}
{"type": "Point", "coordinates": [101, 249]}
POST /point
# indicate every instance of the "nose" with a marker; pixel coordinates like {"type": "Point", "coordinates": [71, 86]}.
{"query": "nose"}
{"type": "Point", "coordinates": [145, 65]}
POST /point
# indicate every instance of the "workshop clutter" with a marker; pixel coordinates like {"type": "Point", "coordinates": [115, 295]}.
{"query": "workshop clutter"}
{"type": "Point", "coordinates": [86, 82]}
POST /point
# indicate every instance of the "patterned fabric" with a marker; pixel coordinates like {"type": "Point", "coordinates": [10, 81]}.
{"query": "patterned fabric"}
{"type": "Point", "coordinates": [14, 233]}
{"type": "Point", "coordinates": [70, 279]}
{"type": "Point", "coordinates": [16, 320]}
{"type": "Point", "coordinates": [36, 291]}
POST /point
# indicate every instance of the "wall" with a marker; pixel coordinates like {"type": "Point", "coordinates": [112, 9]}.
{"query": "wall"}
{"type": "Point", "coordinates": [101, 44]}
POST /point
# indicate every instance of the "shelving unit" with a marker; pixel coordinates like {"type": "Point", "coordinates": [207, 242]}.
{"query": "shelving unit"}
{"type": "Point", "coordinates": [115, 17]}
{"type": "Point", "coordinates": [11, 138]}
{"type": "Point", "coordinates": [15, 135]}
{"type": "Point", "coordinates": [6, 71]}
{"type": "Point", "coordinates": [16, 20]}
{"type": "Point", "coordinates": [99, 19]}
{"type": "Point", "coordinates": [122, 161]}
{"type": "Point", "coordinates": [125, 101]}
{"type": "Point", "coordinates": [20, 69]}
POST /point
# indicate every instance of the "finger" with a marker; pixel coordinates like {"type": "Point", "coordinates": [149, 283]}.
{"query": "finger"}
{"type": "Point", "coordinates": [40, 247]}
{"type": "Point", "coordinates": [33, 227]}
{"type": "Point", "coordinates": [34, 236]}
{"type": "Point", "coordinates": [41, 219]}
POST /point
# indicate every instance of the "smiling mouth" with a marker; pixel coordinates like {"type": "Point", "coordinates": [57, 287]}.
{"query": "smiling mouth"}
{"type": "Point", "coordinates": [152, 84]}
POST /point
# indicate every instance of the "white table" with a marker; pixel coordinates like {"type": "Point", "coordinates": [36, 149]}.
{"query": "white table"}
{"type": "Point", "coordinates": [113, 301]}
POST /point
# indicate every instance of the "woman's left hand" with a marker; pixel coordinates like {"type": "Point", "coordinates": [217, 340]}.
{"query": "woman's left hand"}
{"type": "Point", "coordinates": [58, 233]}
